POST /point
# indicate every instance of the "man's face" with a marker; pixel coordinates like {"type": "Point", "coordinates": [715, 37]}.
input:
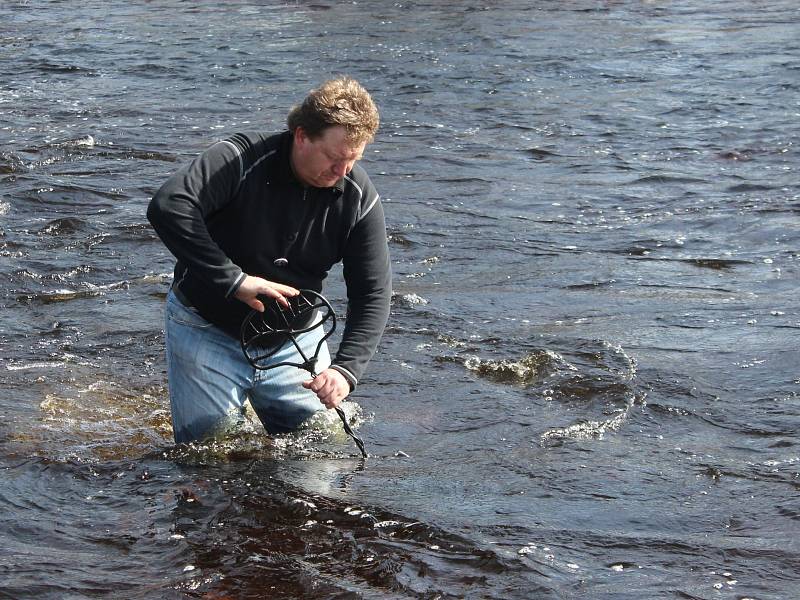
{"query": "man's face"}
{"type": "Point", "coordinates": [324, 161]}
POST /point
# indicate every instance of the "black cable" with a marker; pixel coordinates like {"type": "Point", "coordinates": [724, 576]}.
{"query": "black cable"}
{"type": "Point", "coordinates": [262, 335]}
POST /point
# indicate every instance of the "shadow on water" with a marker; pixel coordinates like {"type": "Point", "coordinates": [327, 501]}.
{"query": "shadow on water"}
{"type": "Point", "coordinates": [243, 516]}
{"type": "Point", "coordinates": [281, 539]}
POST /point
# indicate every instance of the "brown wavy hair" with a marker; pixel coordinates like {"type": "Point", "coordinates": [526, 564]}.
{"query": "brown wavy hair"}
{"type": "Point", "coordinates": [341, 101]}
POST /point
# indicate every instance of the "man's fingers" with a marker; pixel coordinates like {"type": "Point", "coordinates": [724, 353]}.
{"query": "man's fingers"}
{"type": "Point", "coordinates": [278, 289]}
{"type": "Point", "coordinates": [252, 287]}
{"type": "Point", "coordinates": [320, 388]}
{"type": "Point", "coordinates": [330, 387]}
{"type": "Point", "coordinates": [279, 293]}
{"type": "Point", "coordinates": [279, 298]}
{"type": "Point", "coordinates": [288, 290]}
{"type": "Point", "coordinates": [256, 304]}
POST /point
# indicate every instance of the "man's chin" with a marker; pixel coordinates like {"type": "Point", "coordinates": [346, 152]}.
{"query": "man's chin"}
{"type": "Point", "coordinates": [326, 183]}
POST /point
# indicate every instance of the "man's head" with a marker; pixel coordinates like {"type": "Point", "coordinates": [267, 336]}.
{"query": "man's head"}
{"type": "Point", "coordinates": [331, 128]}
{"type": "Point", "coordinates": [341, 101]}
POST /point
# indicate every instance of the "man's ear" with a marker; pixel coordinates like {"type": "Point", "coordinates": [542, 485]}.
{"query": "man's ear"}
{"type": "Point", "coordinates": [300, 136]}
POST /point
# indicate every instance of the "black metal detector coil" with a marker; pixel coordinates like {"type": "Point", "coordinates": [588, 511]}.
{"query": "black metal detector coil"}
{"type": "Point", "coordinates": [264, 334]}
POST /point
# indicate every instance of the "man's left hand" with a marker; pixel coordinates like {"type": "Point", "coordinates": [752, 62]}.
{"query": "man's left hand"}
{"type": "Point", "coordinates": [330, 386]}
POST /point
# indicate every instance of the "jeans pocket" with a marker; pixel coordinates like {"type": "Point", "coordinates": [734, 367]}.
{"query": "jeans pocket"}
{"type": "Point", "coordinates": [180, 314]}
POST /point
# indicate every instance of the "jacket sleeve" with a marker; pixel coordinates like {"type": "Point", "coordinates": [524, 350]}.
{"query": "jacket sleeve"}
{"type": "Point", "coordinates": [180, 208]}
{"type": "Point", "coordinates": [367, 274]}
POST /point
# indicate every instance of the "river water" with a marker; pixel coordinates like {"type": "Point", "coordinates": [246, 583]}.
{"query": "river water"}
{"type": "Point", "coordinates": [590, 382]}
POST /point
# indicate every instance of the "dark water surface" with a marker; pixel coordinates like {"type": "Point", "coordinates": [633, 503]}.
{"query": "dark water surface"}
{"type": "Point", "coordinates": [590, 384]}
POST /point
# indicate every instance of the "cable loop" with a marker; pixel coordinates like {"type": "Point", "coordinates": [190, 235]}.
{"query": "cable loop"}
{"type": "Point", "coordinates": [263, 335]}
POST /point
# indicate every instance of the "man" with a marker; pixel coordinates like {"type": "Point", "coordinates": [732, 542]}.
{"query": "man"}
{"type": "Point", "coordinates": [259, 216]}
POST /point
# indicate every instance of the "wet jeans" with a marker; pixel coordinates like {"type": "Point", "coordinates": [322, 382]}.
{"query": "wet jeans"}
{"type": "Point", "coordinates": [210, 379]}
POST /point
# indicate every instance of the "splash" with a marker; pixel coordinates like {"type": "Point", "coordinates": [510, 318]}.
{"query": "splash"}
{"type": "Point", "coordinates": [596, 380]}
{"type": "Point", "coordinates": [106, 422]}
{"type": "Point", "coordinates": [528, 370]}
{"type": "Point", "coordinates": [584, 430]}
{"type": "Point", "coordinates": [321, 436]}
{"type": "Point", "coordinates": [605, 378]}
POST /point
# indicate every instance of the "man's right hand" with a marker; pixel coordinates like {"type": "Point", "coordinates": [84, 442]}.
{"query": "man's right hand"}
{"type": "Point", "coordinates": [252, 287]}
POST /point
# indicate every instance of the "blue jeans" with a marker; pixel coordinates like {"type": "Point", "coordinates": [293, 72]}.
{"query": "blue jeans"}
{"type": "Point", "coordinates": [210, 379]}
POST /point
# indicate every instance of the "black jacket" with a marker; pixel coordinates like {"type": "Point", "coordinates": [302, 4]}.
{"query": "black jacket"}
{"type": "Point", "coordinates": [237, 208]}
